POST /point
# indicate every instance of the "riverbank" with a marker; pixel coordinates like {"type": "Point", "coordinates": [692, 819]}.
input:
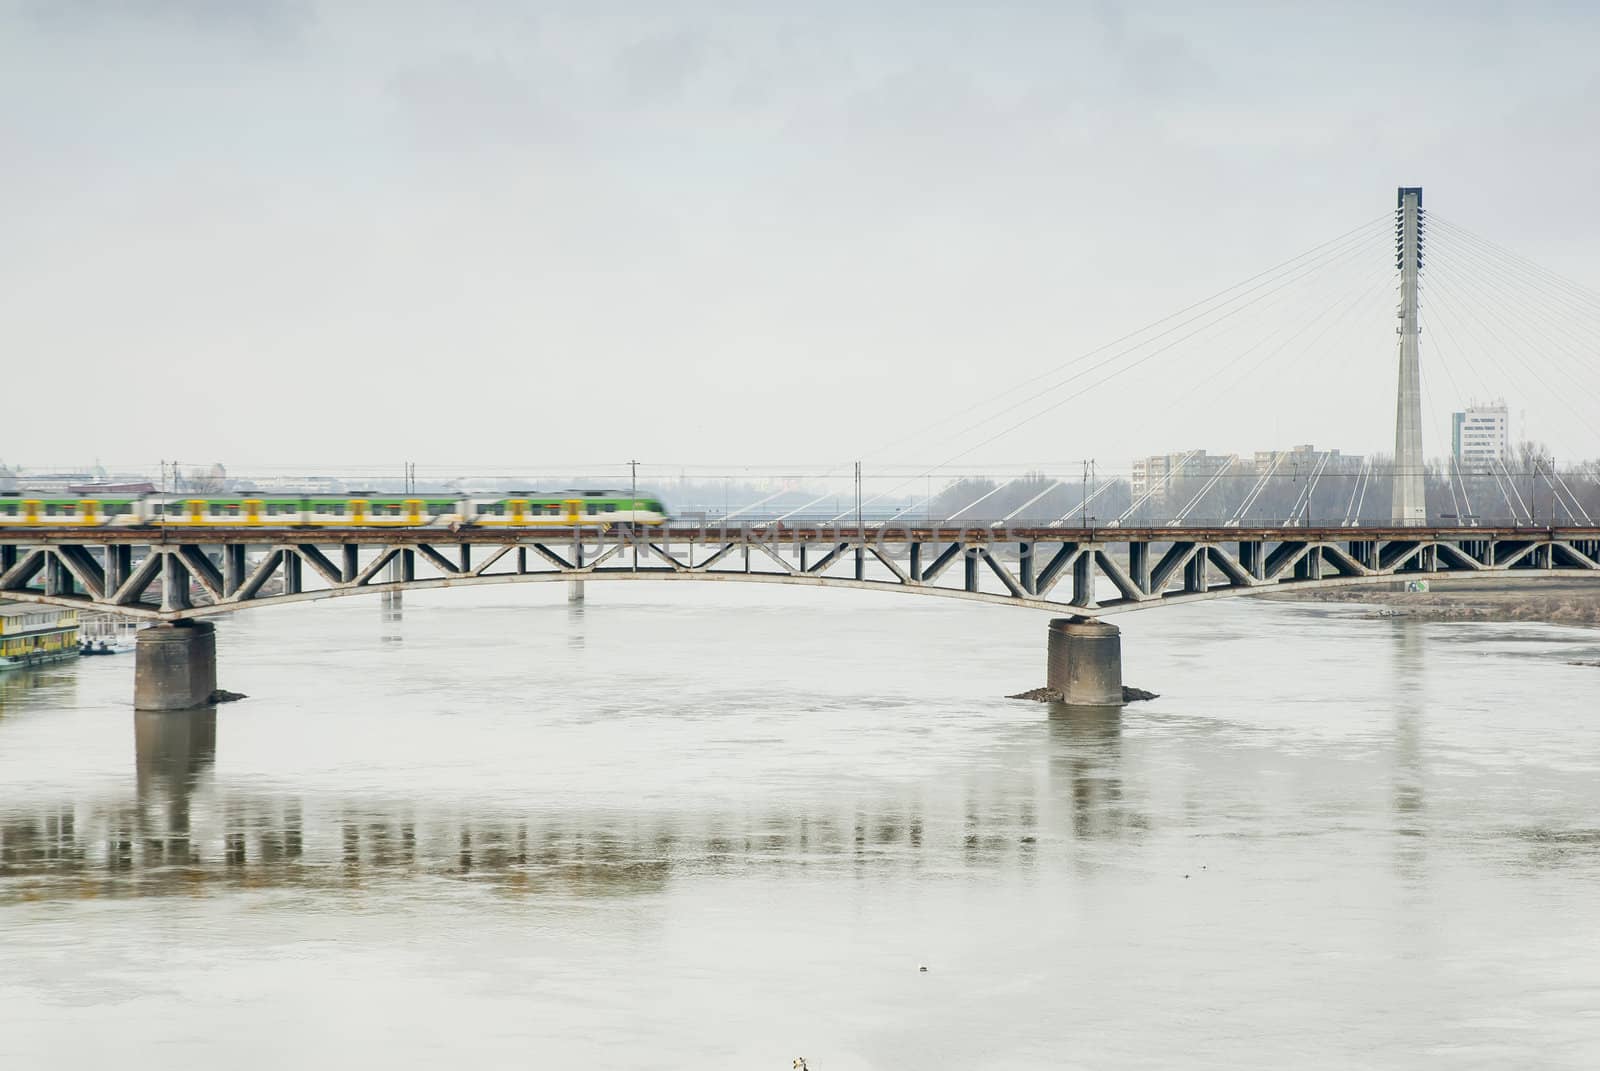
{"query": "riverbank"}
{"type": "Point", "coordinates": [1555, 602]}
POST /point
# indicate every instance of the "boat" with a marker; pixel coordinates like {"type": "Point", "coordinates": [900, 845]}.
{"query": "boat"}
{"type": "Point", "coordinates": [33, 635]}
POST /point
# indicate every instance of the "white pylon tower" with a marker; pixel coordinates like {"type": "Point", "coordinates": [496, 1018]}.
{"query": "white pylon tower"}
{"type": "Point", "coordinates": [1410, 509]}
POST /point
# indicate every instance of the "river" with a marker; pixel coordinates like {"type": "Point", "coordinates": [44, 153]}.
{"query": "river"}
{"type": "Point", "coordinates": [722, 827]}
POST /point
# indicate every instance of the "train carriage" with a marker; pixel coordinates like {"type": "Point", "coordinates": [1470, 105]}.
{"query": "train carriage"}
{"type": "Point", "coordinates": [568, 509]}
{"type": "Point", "coordinates": [22, 510]}
{"type": "Point", "coordinates": [518, 509]}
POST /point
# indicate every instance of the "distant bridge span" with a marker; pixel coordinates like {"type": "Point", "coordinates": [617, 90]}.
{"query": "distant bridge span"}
{"type": "Point", "coordinates": [183, 574]}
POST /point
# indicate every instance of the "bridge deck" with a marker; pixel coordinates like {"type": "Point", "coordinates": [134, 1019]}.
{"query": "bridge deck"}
{"type": "Point", "coordinates": [176, 572]}
{"type": "Point", "coordinates": [984, 533]}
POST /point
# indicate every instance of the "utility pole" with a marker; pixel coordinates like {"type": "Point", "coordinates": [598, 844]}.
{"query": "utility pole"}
{"type": "Point", "coordinates": [858, 499]}
{"type": "Point", "coordinates": [1533, 494]}
{"type": "Point", "coordinates": [633, 508]}
{"type": "Point", "coordinates": [1409, 508]}
{"type": "Point", "coordinates": [1083, 498]}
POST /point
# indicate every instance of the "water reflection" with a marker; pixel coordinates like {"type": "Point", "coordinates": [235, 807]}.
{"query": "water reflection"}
{"type": "Point", "coordinates": [173, 752]}
{"type": "Point", "coordinates": [21, 688]}
{"type": "Point", "coordinates": [575, 625]}
{"type": "Point", "coordinates": [392, 608]}
{"type": "Point", "coordinates": [182, 832]}
{"type": "Point", "coordinates": [1409, 654]}
{"type": "Point", "coordinates": [1086, 761]}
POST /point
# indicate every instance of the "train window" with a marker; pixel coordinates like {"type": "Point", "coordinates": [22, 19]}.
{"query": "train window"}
{"type": "Point", "coordinates": [589, 509]}
{"type": "Point", "coordinates": [216, 510]}
{"type": "Point", "coordinates": [611, 507]}
{"type": "Point", "coordinates": [337, 511]}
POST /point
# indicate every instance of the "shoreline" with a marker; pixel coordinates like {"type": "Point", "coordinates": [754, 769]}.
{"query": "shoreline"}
{"type": "Point", "coordinates": [1552, 602]}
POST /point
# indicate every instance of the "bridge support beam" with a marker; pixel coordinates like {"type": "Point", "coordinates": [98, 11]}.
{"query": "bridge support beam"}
{"type": "Point", "coordinates": [1085, 662]}
{"type": "Point", "coordinates": [574, 591]}
{"type": "Point", "coordinates": [175, 666]}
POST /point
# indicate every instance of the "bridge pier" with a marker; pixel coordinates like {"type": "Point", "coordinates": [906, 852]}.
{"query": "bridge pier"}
{"type": "Point", "coordinates": [1085, 661]}
{"type": "Point", "coordinates": [574, 591]}
{"type": "Point", "coordinates": [175, 666]}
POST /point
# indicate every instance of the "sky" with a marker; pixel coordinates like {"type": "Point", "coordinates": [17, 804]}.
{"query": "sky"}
{"type": "Point", "coordinates": [304, 233]}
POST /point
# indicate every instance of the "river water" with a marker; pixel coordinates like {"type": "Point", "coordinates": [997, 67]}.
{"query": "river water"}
{"type": "Point", "coordinates": [722, 826]}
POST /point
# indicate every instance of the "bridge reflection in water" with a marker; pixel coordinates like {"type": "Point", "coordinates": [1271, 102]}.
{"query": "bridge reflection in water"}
{"type": "Point", "coordinates": [182, 833]}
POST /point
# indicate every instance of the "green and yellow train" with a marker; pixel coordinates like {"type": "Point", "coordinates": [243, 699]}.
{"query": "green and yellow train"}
{"type": "Point", "coordinates": [516, 510]}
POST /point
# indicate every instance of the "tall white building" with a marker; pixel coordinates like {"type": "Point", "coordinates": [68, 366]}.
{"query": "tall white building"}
{"type": "Point", "coordinates": [1151, 473]}
{"type": "Point", "coordinates": [1481, 435]}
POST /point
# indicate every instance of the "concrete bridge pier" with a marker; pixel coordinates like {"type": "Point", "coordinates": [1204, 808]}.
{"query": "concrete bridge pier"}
{"type": "Point", "coordinates": [175, 666]}
{"type": "Point", "coordinates": [1085, 662]}
{"type": "Point", "coordinates": [574, 591]}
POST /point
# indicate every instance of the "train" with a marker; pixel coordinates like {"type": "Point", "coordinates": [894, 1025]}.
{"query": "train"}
{"type": "Point", "coordinates": [517, 509]}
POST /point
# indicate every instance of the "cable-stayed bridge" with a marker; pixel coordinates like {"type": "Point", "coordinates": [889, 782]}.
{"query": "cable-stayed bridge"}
{"type": "Point", "coordinates": [1204, 526]}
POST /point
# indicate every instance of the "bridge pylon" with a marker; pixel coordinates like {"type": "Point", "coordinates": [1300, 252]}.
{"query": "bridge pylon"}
{"type": "Point", "coordinates": [1409, 509]}
{"type": "Point", "coordinates": [175, 665]}
{"type": "Point", "coordinates": [1084, 662]}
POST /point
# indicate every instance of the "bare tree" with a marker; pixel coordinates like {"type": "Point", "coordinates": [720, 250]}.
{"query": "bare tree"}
{"type": "Point", "coordinates": [209, 481]}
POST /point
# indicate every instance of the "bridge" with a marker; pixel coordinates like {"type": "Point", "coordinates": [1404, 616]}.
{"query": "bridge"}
{"type": "Point", "coordinates": [179, 579]}
{"type": "Point", "coordinates": [180, 572]}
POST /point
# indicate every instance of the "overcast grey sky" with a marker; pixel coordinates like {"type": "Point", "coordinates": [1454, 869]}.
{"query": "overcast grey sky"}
{"type": "Point", "coordinates": [299, 232]}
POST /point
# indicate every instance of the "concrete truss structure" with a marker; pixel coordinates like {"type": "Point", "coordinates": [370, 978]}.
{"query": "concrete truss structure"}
{"type": "Point", "coordinates": [1084, 572]}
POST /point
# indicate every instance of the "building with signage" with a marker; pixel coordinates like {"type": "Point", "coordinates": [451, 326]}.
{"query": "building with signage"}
{"type": "Point", "coordinates": [1481, 435]}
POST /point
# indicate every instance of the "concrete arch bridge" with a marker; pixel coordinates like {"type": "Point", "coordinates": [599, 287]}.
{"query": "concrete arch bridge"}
{"type": "Point", "coordinates": [180, 580]}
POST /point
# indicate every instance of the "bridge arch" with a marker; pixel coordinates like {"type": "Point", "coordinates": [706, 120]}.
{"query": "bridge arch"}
{"type": "Point", "coordinates": [184, 586]}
